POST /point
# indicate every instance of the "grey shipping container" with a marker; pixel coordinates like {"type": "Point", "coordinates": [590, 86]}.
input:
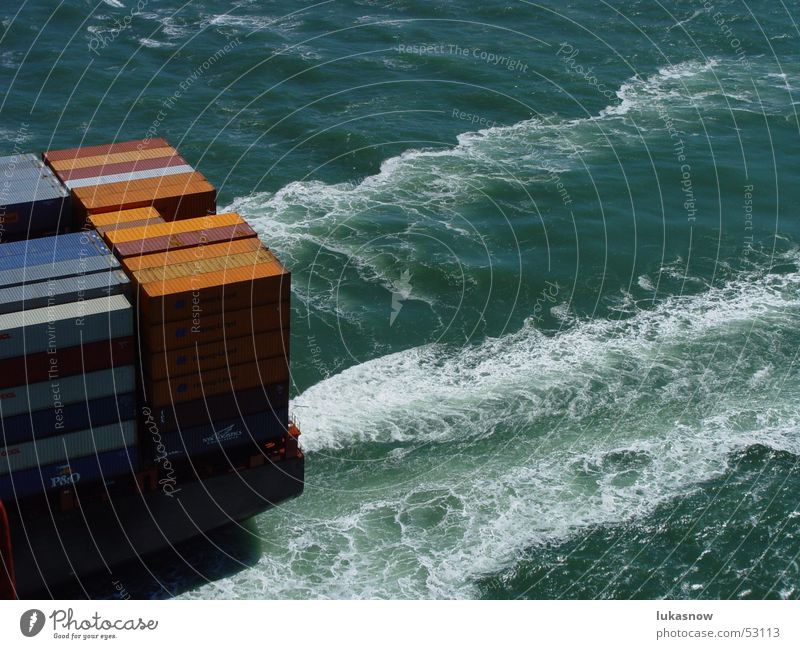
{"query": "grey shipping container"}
{"type": "Point", "coordinates": [62, 291]}
{"type": "Point", "coordinates": [67, 447]}
{"type": "Point", "coordinates": [128, 176]}
{"type": "Point", "coordinates": [58, 270]}
{"type": "Point", "coordinates": [65, 325]}
{"type": "Point", "coordinates": [62, 391]}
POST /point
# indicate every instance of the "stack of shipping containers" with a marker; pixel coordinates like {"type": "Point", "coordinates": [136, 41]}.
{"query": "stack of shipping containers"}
{"type": "Point", "coordinates": [129, 175]}
{"type": "Point", "coordinates": [165, 317]}
{"type": "Point", "coordinates": [33, 202]}
{"type": "Point", "coordinates": [67, 399]}
{"type": "Point", "coordinates": [213, 309]}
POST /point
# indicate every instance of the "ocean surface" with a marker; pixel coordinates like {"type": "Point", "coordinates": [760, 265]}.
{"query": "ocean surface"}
{"type": "Point", "coordinates": [546, 261]}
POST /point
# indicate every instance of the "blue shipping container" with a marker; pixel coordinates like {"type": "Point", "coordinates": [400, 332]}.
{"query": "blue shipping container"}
{"type": "Point", "coordinates": [75, 416]}
{"type": "Point", "coordinates": [253, 430]}
{"type": "Point", "coordinates": [103, 466]}
{"type": "Point", "coordinates": [49, 270]}
{"type": "Point", "coordinates": [32, 200]}
{"type": "Point", "coordinates": [62, 391]}
{"type": "Point", "coordinates": [89, 242]}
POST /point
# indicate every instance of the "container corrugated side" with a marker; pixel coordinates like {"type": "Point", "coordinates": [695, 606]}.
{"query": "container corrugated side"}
{"type": "Point", "coordinates": [102, 229]}
{"type": "Point", "coordinates": [74, 416]}
{"type": "Point", "coordinates": [200, 266]}
{"type": "Point", "coordinates": [70, 446]}
{"type": "Point", "coordinates": [19, 160]}
{"type": "Point", "coordinates": [123, 216]}
{"type": "Point", "coordinates": [175, 227]}
{"type": "Point", "coordinates": [68, 268]}
{"type": "Point", "coordinates": [92, 468]}
{"type": "Point", "coordinates": [30, 186]}
{"type": "Point", "coordinates": [90, 357]}
{"type": "Point", "coordinates": [171, 202]}
{"type": "Point", "coordinates": [65, 166]}
{"type": "Point", "coordinates": [104, 149]}
{"type": "Point", "coordinates": [42, 216]}
{"type": "Point", "coordinates": [228, 405]}
{"type": "Point", "coordinates": [78, 241]}
{"type": "Point", "coordinates": [195, 386]}
{"type": "Point", "coordinates": [238, 288]}
{"type": "Point", "coordinates": [119, 190]}
{"type": "Point", "coordinates": [57, 393]}
{"type": "Point", "coordinates": [209, 356]}
{"type": "Point", "coordinates": [129, 176]}
{"type": "Point", "coordinates": [121, 167]}
{"type": "Point", "coordinates": [174, 242]}
{"type": "Point", "coordinates": [184, 255]}
{"type": "Point", "coordinates": [249, 431]}
{"type": "Point", "coordinates": [61, 291]}
{"type": "Point", "coordinates": [66, 325]}
{"type": "Point", "coordinates": [201, 328]}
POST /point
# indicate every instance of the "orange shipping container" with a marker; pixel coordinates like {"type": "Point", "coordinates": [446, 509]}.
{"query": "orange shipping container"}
{"type": "Point", "coordinates": [173, 202]}
{"type": "Point", "coordinates": [175, 227]}
{"type": "Point", "coordinates": [200, 266]}
{"type": "Point", "coordinates": [229, 290]}
{"type": "Point", "coordinates": [201, 385]}
{"type": "Point", "coordinates": [122, 216]}
{"type": "Point", "coordinates": [120, 189]}
{"type": "Point", "coordinates": [159, 259]}
{"type": "Point", "coordinates": [199, 328]}
{"type": "Point", "coordinates": [210, 356]}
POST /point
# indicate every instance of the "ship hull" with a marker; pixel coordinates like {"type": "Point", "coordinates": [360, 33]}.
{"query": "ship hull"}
{"type": "Point", "coordinates": [50, 551]}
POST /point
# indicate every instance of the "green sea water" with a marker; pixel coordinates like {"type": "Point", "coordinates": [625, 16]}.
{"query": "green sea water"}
{"type": "Point", "coordinates": [546, 275]}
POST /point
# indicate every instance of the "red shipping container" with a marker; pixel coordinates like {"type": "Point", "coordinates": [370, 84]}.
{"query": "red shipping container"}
{"type": "Point", "coordinates": [104, 149]}
{"type": "Point", "coordinates": [121, 168]}
{"type": "Point", "coordinates": [91, 357]}
{"type": "Point", "coordinates": [182, 240]}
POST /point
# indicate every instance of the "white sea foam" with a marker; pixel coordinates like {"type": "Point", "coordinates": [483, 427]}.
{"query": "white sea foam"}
{"type": "Point", "coordinates": [442, 465]}
{"type": "Point", "coordinates": [546, 436]}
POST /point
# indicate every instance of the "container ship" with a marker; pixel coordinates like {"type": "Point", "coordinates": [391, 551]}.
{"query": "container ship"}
{"type": "Point", "coordinates": [144, 362]}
